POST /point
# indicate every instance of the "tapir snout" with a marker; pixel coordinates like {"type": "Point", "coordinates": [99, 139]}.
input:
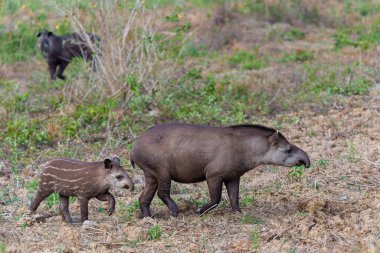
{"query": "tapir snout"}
{"type": "Point", "coordinates": [302, 158]}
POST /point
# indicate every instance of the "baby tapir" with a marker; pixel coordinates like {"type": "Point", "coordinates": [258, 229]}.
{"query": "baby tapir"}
{"type": "Point", "coordinates": [85, 180]}
{"type": "Point", "coordinates": [59, 50]}
{"type": "Point", "coordinates": [190, 154]}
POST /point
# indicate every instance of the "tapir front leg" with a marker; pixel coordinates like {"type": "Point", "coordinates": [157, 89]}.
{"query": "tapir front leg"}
{"type": "Point", "coordinates": [233, 193]}
{"type": "Point", "coordinates": [83, 208]}
{"type": "Point", "coordinates": [110, 199]}
{"type": "Point", "coordinates": [215, 189]}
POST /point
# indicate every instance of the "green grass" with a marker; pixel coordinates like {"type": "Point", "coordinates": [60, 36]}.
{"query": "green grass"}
{"type": "Point", "coordinates": [255, 237]}
{"type": "Point", "coordinates": [155, 233]}
{"type": "Point", "coordinates": [32, 185]}
{"type": "Point", "coordinates": [3, 247]}
{"type": "Point", "coordinates": [299, 55]}
{"type": "Point", "coordinates": [247, 200]}
{"type": "Point", "coordinates": [52, 200]}
{"type": "Point", "coordinates": [249, 219]}
{"type": "Point", "coordinates": [296, 172]}
{"type": "Point", "coordinates": [247, 61]}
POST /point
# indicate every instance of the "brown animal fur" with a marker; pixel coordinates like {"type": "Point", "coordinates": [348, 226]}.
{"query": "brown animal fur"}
{"type": "Point", "coordinates": [190, 153]}
{"type": "Point", "coordinates": [85, 180]}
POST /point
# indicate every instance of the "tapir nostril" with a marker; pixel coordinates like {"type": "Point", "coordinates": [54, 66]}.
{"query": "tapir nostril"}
{"type": "Point", "coordinates": [304, 163]}
{"type": "Point", "coordinates": [301, 162]}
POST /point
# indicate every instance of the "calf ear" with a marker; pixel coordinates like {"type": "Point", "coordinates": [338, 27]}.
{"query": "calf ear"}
{"type": "Point", "coordinates": [38, 34]}
{"type": "Point", "coordinates": [107, 163]}
{"type": "Point", "coordinates": [273, 139]}
{"type": "Point", "coordinates": [116, 160]}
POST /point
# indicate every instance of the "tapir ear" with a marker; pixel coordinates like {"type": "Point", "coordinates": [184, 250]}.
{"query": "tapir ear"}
{"type": "Point", "coordinates": [107, 163]}
{"type": "Point", "coordinates": [116, 160]}
{"type": "Point", "coordinates": [49, 34]}
{"type": "Point", "coordinates": [274, 138]}
{"type": "Point", "coordinates": [38, 34]}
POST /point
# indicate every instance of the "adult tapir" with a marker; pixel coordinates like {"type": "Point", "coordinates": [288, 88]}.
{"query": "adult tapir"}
{"type": "Point", "coordinates": [191, 153]}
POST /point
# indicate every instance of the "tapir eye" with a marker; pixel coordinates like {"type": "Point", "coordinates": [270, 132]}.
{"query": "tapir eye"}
{"type": "Point", "coordinates": [119, 177]}
{"type": "Point", "coordinates": [288, 151]}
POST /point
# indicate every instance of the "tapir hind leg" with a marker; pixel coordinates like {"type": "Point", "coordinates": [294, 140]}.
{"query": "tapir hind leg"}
{"type": "Point", "coordinates": [164, 194]}
{"type": "Point", "coordinates": [41, 195]}
{"type": "Point", "coordinates": [233, 193]}
{"type": "Point", "coordinates": [148, 194]}
{"type": "Point", "coordinates": [64, 208]}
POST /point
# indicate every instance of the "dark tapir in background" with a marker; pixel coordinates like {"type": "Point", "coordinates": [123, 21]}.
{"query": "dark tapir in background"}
{"type": "Point", "coordinates": [190, 154]}
{"type": "Point", "coordinates": [59, 50]}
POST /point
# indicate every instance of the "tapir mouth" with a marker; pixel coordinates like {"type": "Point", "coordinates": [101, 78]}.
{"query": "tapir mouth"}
{"type": "Point", "coordinates": [304, 163]}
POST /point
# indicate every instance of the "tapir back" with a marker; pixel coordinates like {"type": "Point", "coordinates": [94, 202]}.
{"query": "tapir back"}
{"type": "Point", "coordinates": [72, 178]}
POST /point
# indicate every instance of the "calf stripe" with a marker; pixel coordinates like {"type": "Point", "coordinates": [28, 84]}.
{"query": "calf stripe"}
{"type": "Point", "coordinates": [62, 179]}
{"type": "Point", "coordinates": [61, 169]}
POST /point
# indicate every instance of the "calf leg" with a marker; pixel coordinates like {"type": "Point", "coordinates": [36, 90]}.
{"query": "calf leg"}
{"type": "Point", "coordinates": [148, 194]}
{"type": "Point", "coordinates": [52, 70]}
{"type": "Point", "coordinates": [62, 66]}
{"type": "Point", "coordinates": [233, 193]}
{"type": "Point", "coordinates": [215, 189]}
{"type": "Point", "coordinates": [41, 195]}
{"type": "Point", "coordinates": [111, 201]}
{"type": "Point", "coordinates": [64, 208]}
{"type": "Point", "coordinates": [83, 208]}
{"type": "Point", "coordinates": [164, 194]}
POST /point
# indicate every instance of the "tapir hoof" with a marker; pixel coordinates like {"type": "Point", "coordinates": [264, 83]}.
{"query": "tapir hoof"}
{"type": "Point", "coordinates": [236, 210]}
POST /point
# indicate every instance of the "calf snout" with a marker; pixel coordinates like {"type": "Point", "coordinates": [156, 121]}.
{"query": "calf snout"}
{"type": "Point", "coordinates": [129, 186]}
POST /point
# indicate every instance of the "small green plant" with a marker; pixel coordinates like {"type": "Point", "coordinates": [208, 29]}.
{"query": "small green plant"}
{"type": "Point", "coordinates": [52, 200]}
{"type": "Point", "coordinates": [134, 85]}
{"type": "Point", "coordinates": [247, 200]}
{"type": "Point", "coordinates": [133, 243]}
{"type": "Point", "coordinates": [131, 209]}
{"type": "Point", "coordinates": [32, 185]}
{"type": "Point", "coordinates": [122, 210]}
{"type": "Point", "coordinates": [249, 219]}
{"type": "Point", "coordinates": [359, 36]}
{"type": "Point", "coordinates": [155, 233]}
{"type": "Point", "coordinates": [292, 250]}
{"type": "Point", "coordinates": [352, 157]}
{"type": "Point", "coordinates": [247, 61]}
{"type": "Point", "coordinates": [296, 172]}
{"type": "Point", "coordinates": [293, 34]}
{"type": "Point", "coordinates": [200, 202]}
{"type": "Point", "coordinates": [299, 56]}
{"type": "Point", "coordinates": [324, 79]}
{"type": "Point", "coordinates": [255, 237]}
{"type": "Point", "coordinates": [323, 163]}
{"type": "Point", "coordinates": [3, 247]}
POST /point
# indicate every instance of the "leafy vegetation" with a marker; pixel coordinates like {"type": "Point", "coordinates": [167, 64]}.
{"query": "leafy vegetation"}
{"type": "Point", "coordinates": [155, 233]}
{"type": "Point", "coordinates": [247, 61]}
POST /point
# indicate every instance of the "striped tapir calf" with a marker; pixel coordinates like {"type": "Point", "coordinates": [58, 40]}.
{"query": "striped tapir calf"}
{"type": "Point", "coordinates": [85, 180]}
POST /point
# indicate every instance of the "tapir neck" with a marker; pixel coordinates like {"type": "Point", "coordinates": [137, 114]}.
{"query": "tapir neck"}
{"type": "Point", "coordinates": [255, 152]}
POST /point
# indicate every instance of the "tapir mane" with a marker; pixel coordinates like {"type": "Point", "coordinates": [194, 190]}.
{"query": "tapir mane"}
{"type": "Point", "coordinates": [269, 131]}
